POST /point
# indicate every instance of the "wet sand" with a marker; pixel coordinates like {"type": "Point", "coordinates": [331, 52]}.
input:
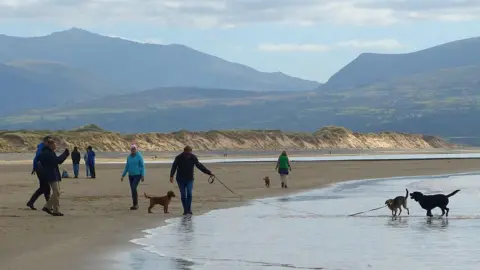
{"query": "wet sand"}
{"type": "Point", "coordinates": [97, 212]}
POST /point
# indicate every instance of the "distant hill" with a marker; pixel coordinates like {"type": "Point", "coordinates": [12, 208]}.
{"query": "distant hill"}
{"type": "Point", "coordinates": [165, 109]}
{"type": "Point", "coordinates": [443, 102]}
{"type": "Point", "coordinates": [136, 66]}
{"type": "Point", "coordinates": [370, 68]}
{"type": "Point", "coordinates": [37, 85]}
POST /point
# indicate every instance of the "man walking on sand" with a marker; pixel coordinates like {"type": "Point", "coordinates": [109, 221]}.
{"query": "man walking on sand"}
{"type": "Point", "coordinates": [85, 159]}
{"type": "Point", "coordinates": [76, 161]}
{"type": "Point", "coordinates": [184, 165]}
{"type": "Point", "coordinates": [91, 162]}
{"type": "Point", "coordinates": [51, 173]}
{"type": "Point", "coordinates": [135, 167]}
{"type": "Point", "coordinates": [44, 188]}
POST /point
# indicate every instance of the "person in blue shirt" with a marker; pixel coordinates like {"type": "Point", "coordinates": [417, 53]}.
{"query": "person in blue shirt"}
{"type": "Point", "coordinates": [85, 158]}
{"type": "Point", "coordinates": [44, 187]}
{"type": "Point", "coordinates": [135, 167]}
{"type": "Point", "coordinates": [91, 162]}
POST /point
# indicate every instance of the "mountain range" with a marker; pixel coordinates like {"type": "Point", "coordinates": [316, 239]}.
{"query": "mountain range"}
{"type": "Point", "coordinates": [134, 66]}
{"type": "Point", "coordinates": [76, 77]}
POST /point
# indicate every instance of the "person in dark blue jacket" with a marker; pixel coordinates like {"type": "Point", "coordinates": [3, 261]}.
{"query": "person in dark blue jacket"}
{"type": "Point", "coordinates": [183, 166]}
{"type": "Point", "coordinates": [44, 188]}
{"type": "Point", "coordinates": [51, 173]}
{"type": "Point", "coordinates": [91, 162]}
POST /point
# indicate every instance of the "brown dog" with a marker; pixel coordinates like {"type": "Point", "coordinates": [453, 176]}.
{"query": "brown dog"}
{"type": "Point", "coordinates": [164, 201]}
{"type": "Point", "coordinates": [398, 203]}
{"type": "Point", "coordinates": [267, 181]}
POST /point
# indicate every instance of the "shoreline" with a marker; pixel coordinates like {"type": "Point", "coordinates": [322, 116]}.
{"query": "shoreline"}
{"type": "Point", "coordinates": [97, 219]}
{"type": "Point", "coordinates": [262, 156]}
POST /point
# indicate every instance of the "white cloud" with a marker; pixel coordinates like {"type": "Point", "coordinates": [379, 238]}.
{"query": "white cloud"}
{"type": "Point", "coordinates": [377, 45]}
{"type": "Point", "coordinates": [230, 13]}
{"type": "Point", "coordinates": [381, 44]}
{"type": "Point", "coordinates": [293, 47]}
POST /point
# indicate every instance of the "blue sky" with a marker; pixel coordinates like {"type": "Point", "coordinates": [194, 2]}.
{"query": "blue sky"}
{"type": "Point", "coordinates": [310, 39]}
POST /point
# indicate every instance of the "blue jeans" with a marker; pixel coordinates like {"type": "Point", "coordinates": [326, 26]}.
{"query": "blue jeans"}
{"type": "Point", "coordinates": [134, 181]}
{"type": "Point", "coordinates": [87, 169]}
{"type": "Point", "coordinates": [76, 167]}
{"type": "Point", "coordinates": [186, 188]}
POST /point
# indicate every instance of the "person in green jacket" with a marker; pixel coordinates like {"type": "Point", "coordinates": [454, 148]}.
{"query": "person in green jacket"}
{"type": "Point", "coordinates": [283, 167]}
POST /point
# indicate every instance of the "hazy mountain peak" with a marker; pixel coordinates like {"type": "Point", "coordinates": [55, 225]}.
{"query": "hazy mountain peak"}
{"type": "Point", "coordinates": [74, 32]}
{"type": "Point", "coordinates": [369, 68]}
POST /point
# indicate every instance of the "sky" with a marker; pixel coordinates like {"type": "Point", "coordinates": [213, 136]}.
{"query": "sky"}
{"type": "Point", "coordinates": [310, 39]}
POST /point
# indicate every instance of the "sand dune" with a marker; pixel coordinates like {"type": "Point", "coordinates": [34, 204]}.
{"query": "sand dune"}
{"type": "Point", "coordinates": [325, 138]}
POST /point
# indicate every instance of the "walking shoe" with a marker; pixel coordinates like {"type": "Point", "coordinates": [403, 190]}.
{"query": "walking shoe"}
{"type": "Point", "coordinates": [57, 214]}
{"type": "Point", "coordinates": [286, 186]}
{"type": "Point", "coordinates": [190, 213]}
{"type": "Point", "coordinates": [48, 211]}
{"type": "Point", "coordinates": [283, 185]}
{"type": "Point", "coordinates": [135, 207]}
{"type": "Point", "coordinates": [30, 205]}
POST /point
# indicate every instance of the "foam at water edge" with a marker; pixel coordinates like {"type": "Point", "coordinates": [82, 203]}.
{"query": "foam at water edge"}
{"type": "Point", "coordinates": [150, 233]}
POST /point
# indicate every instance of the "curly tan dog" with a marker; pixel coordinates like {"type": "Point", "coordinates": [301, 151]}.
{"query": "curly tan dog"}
{"type": "Point", "coordinates": [164, 201]}
{"type": "Point", "coordinates": [267, 181]}
{"type": "Point", "coordinates": [397, 203]}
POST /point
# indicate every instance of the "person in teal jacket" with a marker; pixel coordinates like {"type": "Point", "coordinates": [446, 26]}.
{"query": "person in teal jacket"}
{"type": "Point", "coordinates": [135, 167]}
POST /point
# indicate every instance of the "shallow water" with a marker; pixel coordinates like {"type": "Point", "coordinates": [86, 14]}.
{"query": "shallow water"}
{"type": "Point", "coordinates": [326, 158]}
{"type": "Point", "coordinates": [277, 234]}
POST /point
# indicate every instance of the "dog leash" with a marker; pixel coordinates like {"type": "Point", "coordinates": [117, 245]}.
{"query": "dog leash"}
{"type": "Point", "coordinates": [212, 179]}
{"type": "Point", "coordinates": [371, 210]}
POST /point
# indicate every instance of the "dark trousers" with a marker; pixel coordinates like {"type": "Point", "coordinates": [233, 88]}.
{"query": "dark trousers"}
{"type": "Point", "coordinates": [134, 181]}
{"type": "Point", "coordinates": [92, 170]}
{"type": "Point", "coordinates": [43, 189]}
{"type": "Point", "coordinates": [186, 190]}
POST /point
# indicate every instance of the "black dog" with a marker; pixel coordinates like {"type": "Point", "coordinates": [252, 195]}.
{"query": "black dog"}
{"type": "Point", "coordinates": [429, 202]}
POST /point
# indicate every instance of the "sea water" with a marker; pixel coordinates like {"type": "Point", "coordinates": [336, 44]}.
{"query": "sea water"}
{"type": "Point", "coordinates": [312, 230]}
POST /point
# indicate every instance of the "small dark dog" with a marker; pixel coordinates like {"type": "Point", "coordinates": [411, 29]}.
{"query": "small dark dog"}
{"type": "Point", "coordinates": [164, 201]}
{"type": "Point", "coordinates": [429, 202]}
{"type": "Point", "coordinates": [397, 203]}
{"type": "Point", "coordinates": [267, 181]}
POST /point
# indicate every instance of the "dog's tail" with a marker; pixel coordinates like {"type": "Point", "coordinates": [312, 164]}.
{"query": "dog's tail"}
{"type": "Point", "coordinates": [406, 195]}
{"type": "Point", "coordinates": [146, 196]}
{"type": "Point", "coordinates": [453, 193]}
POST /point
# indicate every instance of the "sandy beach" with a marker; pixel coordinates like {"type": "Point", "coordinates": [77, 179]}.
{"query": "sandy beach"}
{"type": "Point", "coordinates": [97, 216]}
